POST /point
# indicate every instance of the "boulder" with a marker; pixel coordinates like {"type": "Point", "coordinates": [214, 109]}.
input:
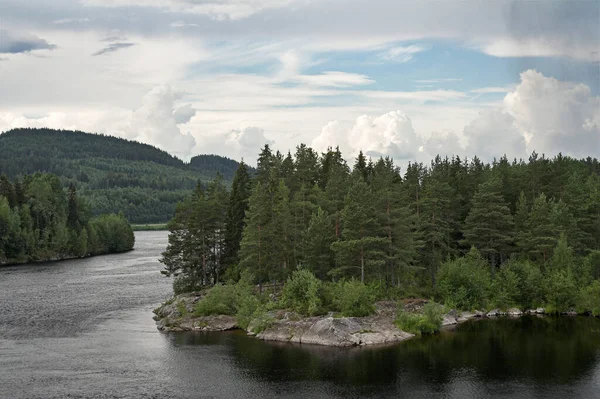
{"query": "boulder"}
{"type": "Point", "coordinates": [493, 313]}
{"type": "Point", "coordinates": [479, 313]}
{"type": "Point", "coordinates": [540, 311]}
{"type": "Point", "coordinates": [450, 318]}
{"type": "Point", "coordinates": [514, 312]}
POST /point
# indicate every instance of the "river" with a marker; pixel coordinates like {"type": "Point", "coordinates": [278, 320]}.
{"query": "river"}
{"type": "Point", "coordinates": [84, 329]}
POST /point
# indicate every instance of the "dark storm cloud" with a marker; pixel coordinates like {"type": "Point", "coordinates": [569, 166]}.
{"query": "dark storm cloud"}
{"type": "Point", "coordinates": [111, 48]}
{"type": "Point", "coordinates": [12, 43]}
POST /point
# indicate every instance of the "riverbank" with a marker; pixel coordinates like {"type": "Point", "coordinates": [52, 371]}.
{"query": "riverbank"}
{"type": "Point", "coordinates": [178, 314]}
{"type": "Point", "coordinates": [58, 258]}
{"type": "Point", "coordinates": [149, 227]}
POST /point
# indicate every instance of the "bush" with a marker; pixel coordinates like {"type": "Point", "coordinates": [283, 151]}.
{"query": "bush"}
{"type": "Point", "coordinates": [301, 293]}
{"type": "Point", "coordinates": [589, 299]}
{"type": "Point", "coordinates": [518, 284]}
{"type": "Point", "coordinates": [220, 299]}
{"type": "Point", "coordinates": [229, 299]}
{"type": "Point", "coordinates": [427, 322]}
{"type": "Point", "coordinates": [561, 291]}
{"type": "Point", "coordinates": [352, 298]}
{"type": "Point", "coordinates": [464, 283]}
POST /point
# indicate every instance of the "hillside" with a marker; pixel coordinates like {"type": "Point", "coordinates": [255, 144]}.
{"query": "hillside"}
{"type": "Point", "coordinates": [113, 174]}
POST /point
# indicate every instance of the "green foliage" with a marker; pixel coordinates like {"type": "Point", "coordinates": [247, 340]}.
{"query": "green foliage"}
{"type": "Point", "coordinates": [489, 225]}
{"type": "Point", "coordinates": [301, 293]}
{"type": "Point", "coordinates": [465, 283]}
{"type": "Point", "coordinates": [428, 322]}
{"type": "Point", "coordinates": [561, 291]}
{"type": "Point", "coordinates": [47, 223]}
{"type": "Point", "coordinates": [352, 298]}
{"type": "Point", "coordinates": [114, 175]}
{"type": "Point", "coordinates": [589, 299]}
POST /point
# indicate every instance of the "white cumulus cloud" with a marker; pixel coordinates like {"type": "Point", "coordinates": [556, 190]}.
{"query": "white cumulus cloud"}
{"type": "Point", "coordinates": [155, 122]}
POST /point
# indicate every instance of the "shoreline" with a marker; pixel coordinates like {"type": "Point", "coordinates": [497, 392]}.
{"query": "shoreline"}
{"type": "Point", "coordinates": [177, 315]}
{"type": "Point", "coordinates": [60, 259]}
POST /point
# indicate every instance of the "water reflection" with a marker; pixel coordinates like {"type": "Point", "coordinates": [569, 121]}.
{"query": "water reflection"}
{"type": "Point", "coordinates": [517, 357]}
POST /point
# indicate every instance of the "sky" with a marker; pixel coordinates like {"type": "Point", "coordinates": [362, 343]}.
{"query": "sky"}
{"type": "Point", "coordinates": [389, 77]}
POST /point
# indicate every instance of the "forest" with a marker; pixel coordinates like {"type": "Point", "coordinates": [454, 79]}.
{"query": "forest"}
{"type": "Point", "coordinates": [470, 234]}
{"type": "Point", "coordinates": [40, 220]}
{"type": "Point", "coordinates": [113, 174]}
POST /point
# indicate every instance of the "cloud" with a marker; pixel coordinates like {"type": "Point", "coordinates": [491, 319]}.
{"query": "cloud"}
{"type": "Point", "coordinates": [555, 115]}
{"type": "Point", "coordinates": [112, 47]}
{"type": "Point", "coordinates": [494, 133]}
{"type": "Point", "coordinates": [184, 114]}
{"type": "Point", "coordinates": [438, 80]}
{"type": "Point", "coordinates": [443, 144]}
{"type": "Point", "coordinates": [63, 21]}
{"type": "Point", "coordinates": [334, 79]}
{"type": "Point", "coordinates": [487, 90]}
{"type": "Point", "coordinates": [241, 143]}
{"type": "Point", "coordinates": [182, 24]}
{"type": "Point", "coordinates": [155, 122]}
{"type": "Point", "coordinates": [388, 134]}
{"type": "Point", "coordinates": [401, 54]}
{"type": "Point", "coordinates": [540, 114]}
{"type": "Point", "coordinates": [215, 9]}
{"type": "Point", "coordinates": [15, 43]}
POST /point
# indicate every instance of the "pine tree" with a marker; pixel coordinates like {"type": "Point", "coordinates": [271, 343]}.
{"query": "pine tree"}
{"type": "Point", "coordinates": [316, 244]}
{"type": "Point", "coordinates": [434, 223]}
{"type": "Point", "coordinates": [360, 167]}
{"type": "Point", "coordinates": [542, 232]}
{"type": "Point", "coordinates": [397, 222]}
{"type": "Point", "coordinates": [236, 213]}
{"type": "Point", "coordinates": [489, 225]}
{"type": "Point", "coordinates": [360, 246]}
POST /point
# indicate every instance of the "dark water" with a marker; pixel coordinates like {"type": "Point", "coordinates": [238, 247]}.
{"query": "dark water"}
{"type": "Point", "coordinates": [83, 328]}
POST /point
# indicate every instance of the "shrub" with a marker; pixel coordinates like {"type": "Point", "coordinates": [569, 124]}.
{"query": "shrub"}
{"type": "Point", "coordinates": [505, 289]}
{"type": "Point", "coordinates": [246, 310]}
{"type": "Point", "coordinates": [259, 321]}
{"type": "Point", "coordinates": [301, 292]}
{"type": "Point", "coordinates": [589, 299]}
{"type": "Point", "coordinates": [518, 284]}
{"type": "Point", "coordinates": [220, 299]}
{"type": "Point", "coordinates": [228, 299]}
{"type": "Point", "coordinates": [427, 322]}
{"type": "Point", "coordinates": [353, 298]}
{"type": "Point", "coordinates": [561, 291]}
{"type": "Point", "coordinates": [464, 283]}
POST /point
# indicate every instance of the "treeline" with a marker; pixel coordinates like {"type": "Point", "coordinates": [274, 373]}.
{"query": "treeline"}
{"type": "Point", "coordinates": [405, 231]}
{"type": "Point", "coordinates": [113, 174]}
{"type": "Point", "coordinates": [40, 220]}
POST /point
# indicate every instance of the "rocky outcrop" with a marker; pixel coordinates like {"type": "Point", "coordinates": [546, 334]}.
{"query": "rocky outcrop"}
{"type": "Point", "coordinates": [178, 315]}
{"type": "Point", "coordinates": [342, 331]}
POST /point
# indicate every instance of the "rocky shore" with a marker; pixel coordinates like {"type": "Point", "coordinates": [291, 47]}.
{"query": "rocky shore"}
{"type": "Point", "coordinates": [331, 330]}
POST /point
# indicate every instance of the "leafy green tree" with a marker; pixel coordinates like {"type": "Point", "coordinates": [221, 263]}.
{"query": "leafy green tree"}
{"type": "Point", "coordinates": [465, 283]}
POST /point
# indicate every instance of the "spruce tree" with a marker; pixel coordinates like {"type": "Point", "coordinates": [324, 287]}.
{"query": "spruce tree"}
{"type": "Point", "coordinates": [236, 213]}
{"type": "Point", "coordinates": [360, 245]}
{"type": "Point", "coordinates": [542, 233]}
{"type": "Point", "coordinates": [489, 225]}
{"type": "Point", "coordinates": [316, 244]}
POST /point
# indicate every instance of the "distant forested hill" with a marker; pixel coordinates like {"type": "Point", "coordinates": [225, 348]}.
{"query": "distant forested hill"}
{"type": "Point", "coordinates": [113, 174]}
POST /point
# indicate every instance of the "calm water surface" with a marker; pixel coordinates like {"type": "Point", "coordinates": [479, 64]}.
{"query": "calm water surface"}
{"type": "Point", "coordinates": [84, 329]}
